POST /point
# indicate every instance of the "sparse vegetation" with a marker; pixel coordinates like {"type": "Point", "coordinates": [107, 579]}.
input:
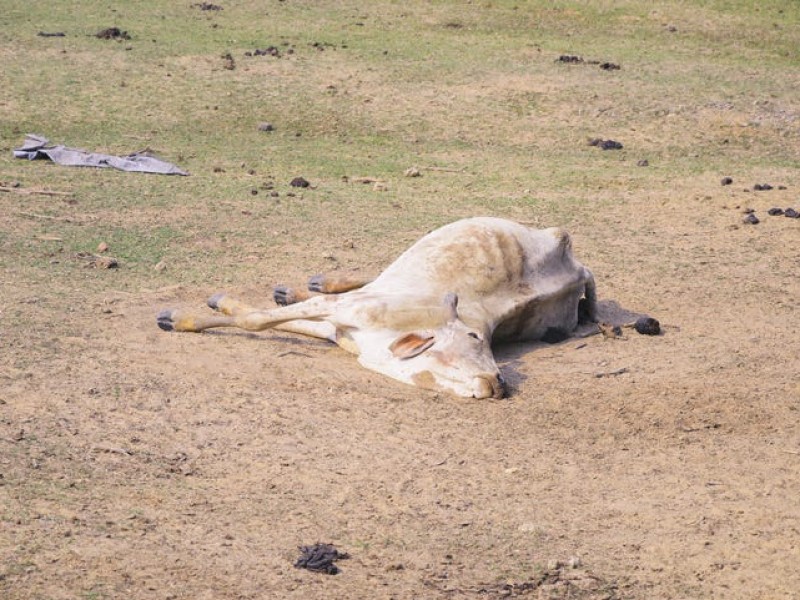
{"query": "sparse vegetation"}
{"type": "Point", "coordinates": [136, 464]}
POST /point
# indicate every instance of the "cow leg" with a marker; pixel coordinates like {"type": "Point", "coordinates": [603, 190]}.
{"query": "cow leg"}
{"type": "Point", "coordinates": [337, 283]}
{"type": "Point", "coordinates": [330, 283]}
{"type": "Point", "coordinates": [317, 329]}
{"type": "Point", "coordinates": [284, 295]}
{"type": "Point", "coordinates": [314, 309]}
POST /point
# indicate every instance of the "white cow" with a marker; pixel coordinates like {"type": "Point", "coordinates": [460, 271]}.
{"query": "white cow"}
{"type": "Point", "coordinates": [429, 319]}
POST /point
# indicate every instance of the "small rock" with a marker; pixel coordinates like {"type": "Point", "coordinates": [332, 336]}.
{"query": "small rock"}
{"type": "Point", "coordinates": [266, 127]}
{"type": "Point", "coordinates": [569, 58]}
{"type": "Point", "coordinates": [554, 565]}
{"type": "Point", "coordinates": [647, 326]}
{"type": "Point", "coordinates": [160, 266]}
{"type": "Point", "coordinates": [751, 219]}
{"type": "Point", "coordinates": [105, 262]}
{"type": "Point", "coordinates": [643, 163]}
{"type": "Point", "coordinates": [726, 181]}
{"type": "Point", "coordinates": [228, 63]}
{"type": "Point", "coordinates": [609, 66]}
{"type": "Point", "coordinates": [762, 187]}
{"type": "Point", "coordinates": [791, 213]}
{"type": "Point", "coordinates": [775, 211]}
{"type": "Point", "coordinates": [299, 182]}
{"type": "Point", "coordinates": [380, 187]}
{"type": "Point", "coordinates": [102, 247]}
{"type": "Point", "coordinates": [412, 172]}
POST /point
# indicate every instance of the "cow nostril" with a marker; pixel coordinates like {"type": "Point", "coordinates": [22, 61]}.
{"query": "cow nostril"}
{"type": "Point", "coordinates": [489, 386]}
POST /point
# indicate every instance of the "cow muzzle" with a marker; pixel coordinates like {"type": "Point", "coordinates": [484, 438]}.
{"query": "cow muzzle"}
{"type": "Point", "coordinates": [489, 385]}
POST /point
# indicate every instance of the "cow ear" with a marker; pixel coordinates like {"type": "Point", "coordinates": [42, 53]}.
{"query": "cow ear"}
{"type": "Point", "coordinates": [450, 304]}
{"type": "Point", "coordinates": [411, 344]}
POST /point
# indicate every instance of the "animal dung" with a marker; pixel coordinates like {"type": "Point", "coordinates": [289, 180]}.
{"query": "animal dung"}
{"type": "Point", "coordinates": [112, 33]}
{"type": "Point", "coordinates": [605, 144]}
{"type": "Point", "coordinates": [775, 211]}
{"type": "Point", "coordinates": [299, 182]}
{"type": "Point", "coordinates": [751, 219]}
{"type": "Point", "coordinates": [647, 326]}
{"type": "Point", "coordinates": [726, 181]}
{"type": "Point", "coordinates": [791, 213]}
{"type": "Point", "coordinates": [320, 558]}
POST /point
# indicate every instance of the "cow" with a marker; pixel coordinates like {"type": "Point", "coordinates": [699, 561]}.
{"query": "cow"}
{"type": "Point", "coordinates": [429, 319]}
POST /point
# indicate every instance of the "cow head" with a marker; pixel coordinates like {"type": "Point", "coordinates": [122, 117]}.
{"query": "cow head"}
{"type": "Point", "coordinates": [453, 357]}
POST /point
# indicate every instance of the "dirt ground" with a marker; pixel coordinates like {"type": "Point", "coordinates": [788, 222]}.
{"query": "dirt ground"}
{"type": "Point", "coordinates": [141, 464]}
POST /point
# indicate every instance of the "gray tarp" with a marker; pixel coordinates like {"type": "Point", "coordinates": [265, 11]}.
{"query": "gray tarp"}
{"type": "Point", "coordinates": [36, 146]}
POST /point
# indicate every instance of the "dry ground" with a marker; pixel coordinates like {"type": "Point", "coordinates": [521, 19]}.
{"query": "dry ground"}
{"type": "Point", "coordinates": [139, 464]}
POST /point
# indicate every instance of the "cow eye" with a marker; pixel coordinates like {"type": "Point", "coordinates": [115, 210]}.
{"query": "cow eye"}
{"type": "Point", "coordinates": [472, 334]}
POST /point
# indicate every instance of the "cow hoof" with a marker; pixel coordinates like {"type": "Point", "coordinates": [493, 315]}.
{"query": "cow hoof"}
{"type": "Point", "coordinates": [283, 296]}
{"type": "Point", "coordinates": [165, 320]}
{"type": "Point", "coordinates": [647, 326]}
{"type": "Point", "coordinates": [214, 301]}
{"type": "Point", "coordinates": [316, 283]}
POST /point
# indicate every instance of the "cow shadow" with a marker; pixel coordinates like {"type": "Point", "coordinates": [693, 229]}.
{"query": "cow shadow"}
{"type": "Point", "coordinates": [509, 355]}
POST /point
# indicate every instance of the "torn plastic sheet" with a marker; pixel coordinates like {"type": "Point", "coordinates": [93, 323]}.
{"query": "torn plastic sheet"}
{"type": "Point", "coordinates": [36, 146]}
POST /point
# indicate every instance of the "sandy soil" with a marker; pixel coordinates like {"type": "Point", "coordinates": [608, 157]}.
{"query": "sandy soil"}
{"type": "Point", "coordinates": [140, 464]}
